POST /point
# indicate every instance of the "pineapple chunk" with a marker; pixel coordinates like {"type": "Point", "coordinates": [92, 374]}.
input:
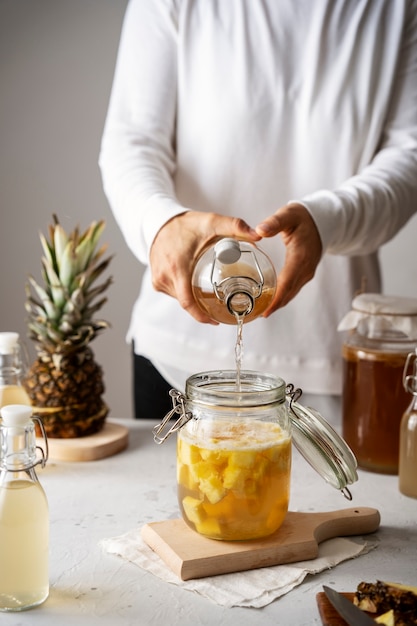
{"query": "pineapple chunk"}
{"type": "Point", "coordinates": [386, 618]}
{"type": "Point", "coordinates": [185, 478]}
{"type": "Point", "coordinates": [234, 478]}
{"type": "Point", "coordinates": [209, 527]}
{"type": "Point", "coordinates": [214, 457]}
{"type": "Point", "coordinates": [187, 453]}
{"type": "Point", "coordinates": [212, 487]}
{"type": "Point", "coordinates": [243, 458]}
{"type": "Point", "coordinates": [193, 510]}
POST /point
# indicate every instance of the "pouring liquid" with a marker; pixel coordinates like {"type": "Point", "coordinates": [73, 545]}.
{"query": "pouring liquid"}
{"type": "Point", "coordinates": [239, 349]}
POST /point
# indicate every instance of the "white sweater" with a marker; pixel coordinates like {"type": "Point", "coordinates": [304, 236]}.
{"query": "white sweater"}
{"type": "Point", "coordinates": [238, 107]}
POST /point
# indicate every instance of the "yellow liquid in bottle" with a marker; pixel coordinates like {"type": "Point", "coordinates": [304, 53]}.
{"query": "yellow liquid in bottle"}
{"type": "Point", "coordinates": [218, 310]}
{"type": "Point", "coordinates": [234, 481]}
{"type": "Point", "coordinates": [13, 394]}
{"type": "Point", "coordinates": [24, 577]}
{"type": "Point", "coordinates": [408, 455]}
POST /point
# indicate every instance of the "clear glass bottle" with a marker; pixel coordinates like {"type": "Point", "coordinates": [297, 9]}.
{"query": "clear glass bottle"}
{"type": "Point", "coordinates": [12, 369]}
{"type": "Point", "coordinates": [382, 331]}
{"type": "Point", "coordinates": [233, 280]}
{"type": "Point", "coordinates": [408, 432]}
{"type": "Point", "coordinates": [234, 452]}
{"type": "Point", "coordinates": [24, 519]}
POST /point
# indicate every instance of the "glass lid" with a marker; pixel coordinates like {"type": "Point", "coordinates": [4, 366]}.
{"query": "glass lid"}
{"type": "Point", "coordinates": [323, 448]}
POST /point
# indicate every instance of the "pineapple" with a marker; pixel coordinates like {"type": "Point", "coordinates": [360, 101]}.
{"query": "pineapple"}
{"type": "Point", "coordinates": [65, 384]}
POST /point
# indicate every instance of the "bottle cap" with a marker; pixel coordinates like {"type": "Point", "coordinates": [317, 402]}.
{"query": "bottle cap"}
{"type": "Point", "coordinates": [15, 415]}
{"type": "Point", "coordinates": [227, 251]}
{"type": "Point", "coordinates": [8, 342]}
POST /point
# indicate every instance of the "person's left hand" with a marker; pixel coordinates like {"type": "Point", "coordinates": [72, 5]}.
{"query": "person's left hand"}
{"type": "Point", "coordinates": [303, 250]}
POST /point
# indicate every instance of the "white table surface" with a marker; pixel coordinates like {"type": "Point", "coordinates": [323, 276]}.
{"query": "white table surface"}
{"type": "Point", "coordinates": [94, 500]}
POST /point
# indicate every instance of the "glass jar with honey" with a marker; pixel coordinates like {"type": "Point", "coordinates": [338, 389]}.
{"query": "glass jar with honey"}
{"type": "Point", "coordinates": [234, 452]}
{"type": "Point", "coordinates": [382, 330]}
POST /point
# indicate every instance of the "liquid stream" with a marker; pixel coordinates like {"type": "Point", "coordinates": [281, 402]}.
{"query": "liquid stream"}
{"type": "Point", "coordinates": [239, 350]}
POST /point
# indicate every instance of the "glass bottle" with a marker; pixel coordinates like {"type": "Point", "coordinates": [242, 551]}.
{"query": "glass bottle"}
{"type": "Point", "coordinates": [11, 370]}
{"type": "Point", "coordinates": [408, 433]}
{"type": "Point", "coordinates": [234, 452]}
{"type": "Point", "coordinates": [24, 525]}
{"type": "Point", "coordinates": [233, 280]}
{"type": "Point", "coordinates": [382, 332]}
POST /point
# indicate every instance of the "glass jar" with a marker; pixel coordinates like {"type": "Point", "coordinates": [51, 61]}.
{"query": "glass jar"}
{"type": "Point", "coordinates": [382, 331]}
{"type": "Point", "coordinates": [233, 280]}
{"type": "Point", "coordinates": [234, 452]}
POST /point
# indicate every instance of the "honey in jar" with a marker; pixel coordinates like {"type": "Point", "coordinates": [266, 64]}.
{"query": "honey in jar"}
{"type": "Point", "coordinates": [382, 331]}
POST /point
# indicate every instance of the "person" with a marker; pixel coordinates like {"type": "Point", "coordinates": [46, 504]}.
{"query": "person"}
{"type": "Point", "coordinates": [290, 123]}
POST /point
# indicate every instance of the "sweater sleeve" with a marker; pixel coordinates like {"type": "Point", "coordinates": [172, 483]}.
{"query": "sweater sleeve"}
{"type": "Point", "coordinates": [137, 159]}
{"type": "Point", "coordinates": [369, 208]}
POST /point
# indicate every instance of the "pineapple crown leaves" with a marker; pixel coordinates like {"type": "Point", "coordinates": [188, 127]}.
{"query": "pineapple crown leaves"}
{"type": "Point", "coordinates": [61, 311]}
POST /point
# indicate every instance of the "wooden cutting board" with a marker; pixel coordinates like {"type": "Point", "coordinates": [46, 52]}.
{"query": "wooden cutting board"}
{"type": "Point", "coordinates": [328, 614]}
{"type": "Point", "coordinates": [190, 555]}
{"type": "Point", "coordinates": [113, 438]}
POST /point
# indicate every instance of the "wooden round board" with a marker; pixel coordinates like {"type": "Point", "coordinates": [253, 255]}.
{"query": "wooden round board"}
{"type": "Point", "coordinates": [113, 438]}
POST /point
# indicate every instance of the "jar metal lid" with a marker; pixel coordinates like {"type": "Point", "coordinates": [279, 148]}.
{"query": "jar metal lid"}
{"type": "Point", "coordinates": [323, 448]}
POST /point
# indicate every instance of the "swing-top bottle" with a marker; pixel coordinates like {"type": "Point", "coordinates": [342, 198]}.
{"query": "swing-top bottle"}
{"type": "Point", "coordinates": [24, 519]}
{"type": "Point", "coordinates": [233, 280]}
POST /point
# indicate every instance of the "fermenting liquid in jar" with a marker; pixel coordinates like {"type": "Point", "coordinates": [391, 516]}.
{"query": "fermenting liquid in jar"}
{"type": "Point", "coordinates": [234, 480]}
{"type": "Point", "coordinates": [374, 401]}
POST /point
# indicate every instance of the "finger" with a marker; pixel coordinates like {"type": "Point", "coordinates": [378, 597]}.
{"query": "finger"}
{"type": "Point", "coordinates": [236, 227]}
{"type": "Point", "coordinates": [187, 301]}
{"type": "Point", "coordinates": [269, 227]}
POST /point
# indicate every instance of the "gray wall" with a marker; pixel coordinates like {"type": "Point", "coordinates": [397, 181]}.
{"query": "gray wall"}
{"type": "Point", "coordinates": [56, 66]}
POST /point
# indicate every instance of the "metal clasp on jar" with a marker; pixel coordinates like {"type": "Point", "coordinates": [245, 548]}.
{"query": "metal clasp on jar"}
{"type": "Point", "coordinates": [44, 453]}
{"type": "Point", "coordinates": [178, 408]}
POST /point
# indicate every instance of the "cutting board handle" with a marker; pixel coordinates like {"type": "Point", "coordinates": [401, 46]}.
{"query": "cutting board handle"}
{"type": "Point", "coordinates": [345, 522]}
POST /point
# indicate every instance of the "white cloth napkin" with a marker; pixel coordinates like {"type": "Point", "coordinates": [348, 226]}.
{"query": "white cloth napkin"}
{"type": "Point", "coordinates": [252, 588]}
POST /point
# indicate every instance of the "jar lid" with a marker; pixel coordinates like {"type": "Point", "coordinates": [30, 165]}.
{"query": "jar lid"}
{"type": "Point", "coordinates": [382, 313]}
{"type": "Point", "coordinates": [322, 447]}
{"type": "Point", "coordinates": [8, 342]}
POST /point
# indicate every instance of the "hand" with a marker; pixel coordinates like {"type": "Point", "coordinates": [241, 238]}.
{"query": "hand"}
{"type": "Point", "coordinates": [303, 250]}
{"type": "Point", "coordinates": [180, 242]}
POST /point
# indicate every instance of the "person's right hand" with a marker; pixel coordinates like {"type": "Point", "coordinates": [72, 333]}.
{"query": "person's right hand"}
{"type": "Point", "coordinates": [179, 243]}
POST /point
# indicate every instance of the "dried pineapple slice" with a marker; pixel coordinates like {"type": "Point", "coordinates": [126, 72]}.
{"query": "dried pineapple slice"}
{"type": "Point", "coordinates": [402, 587]}
{"type": "Point", "coordinates": [386, 618]}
